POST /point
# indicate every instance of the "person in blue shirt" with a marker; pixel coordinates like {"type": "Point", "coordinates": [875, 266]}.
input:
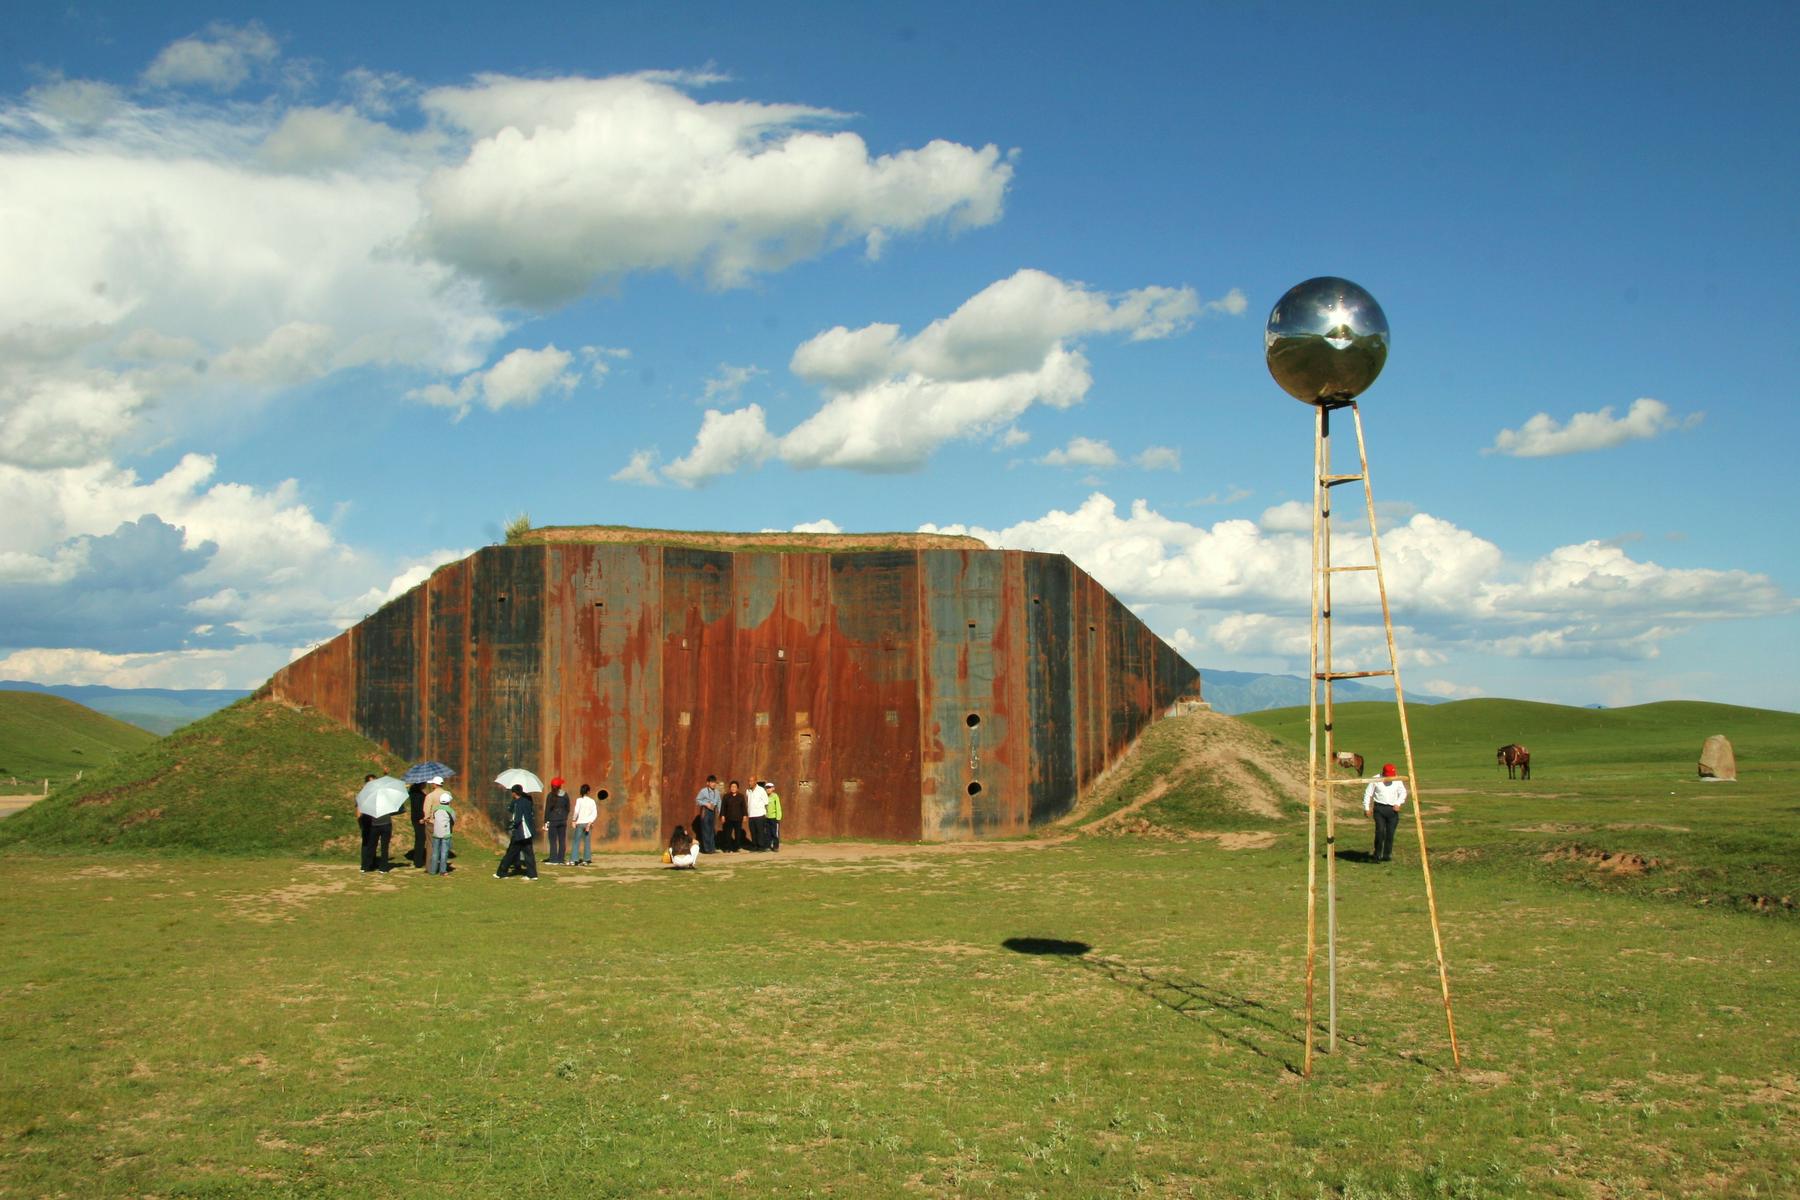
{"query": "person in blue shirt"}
{"type": "Point", "coordinates": [706, 813]}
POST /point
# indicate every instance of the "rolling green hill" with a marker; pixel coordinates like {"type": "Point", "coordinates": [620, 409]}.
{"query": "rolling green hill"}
{"type": "Point", "coordinates": [47, 737]}
{"type": "Point", "coordinates": [1455, 742]}
{"type": "Point", "coordinates": [255, 778]}
{"type": "Point", "coordinates": [1614, 802]}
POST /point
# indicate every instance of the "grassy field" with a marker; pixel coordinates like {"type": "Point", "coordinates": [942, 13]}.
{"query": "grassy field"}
{"type": "Point", "coordinates": [1089, 1016]}
{"type": "Point", "coordinates": [46, 737]}
{"type": "Point", "coordinates": [1614, 800]}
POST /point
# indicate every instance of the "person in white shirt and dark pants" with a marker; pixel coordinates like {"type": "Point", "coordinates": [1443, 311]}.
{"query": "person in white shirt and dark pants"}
{"type": "Point", "coordinates": [1382, 800]}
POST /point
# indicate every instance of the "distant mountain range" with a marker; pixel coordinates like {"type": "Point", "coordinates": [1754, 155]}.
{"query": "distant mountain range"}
{"type": "Point", "coordinates": [160, 710]}
{"type": "Point", "coordinates": [164, 710]}
{"type": "Point", "coordinates": [1234, 692]}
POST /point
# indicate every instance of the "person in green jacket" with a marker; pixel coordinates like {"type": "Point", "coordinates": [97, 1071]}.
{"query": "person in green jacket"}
{"type": "Point", "coordinates": [772, 817]}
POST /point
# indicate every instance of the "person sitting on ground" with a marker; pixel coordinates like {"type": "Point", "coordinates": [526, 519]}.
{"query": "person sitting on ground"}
{"type": "Point", "coordinates": [684, 851]}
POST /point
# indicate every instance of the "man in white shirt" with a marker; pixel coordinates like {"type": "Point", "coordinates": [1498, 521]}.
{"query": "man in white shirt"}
{"type": "Point", "coordinates": [756, 804]}
{"type": "Point", "coordinates": [581, 854]}
{"type": "Point", "coordinates": [1382, 800]}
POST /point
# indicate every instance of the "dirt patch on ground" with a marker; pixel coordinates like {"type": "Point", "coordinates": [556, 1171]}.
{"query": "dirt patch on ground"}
{"type": "Point", "coordinates": [1260, 839]}
{"type": "Point", "coordinates": [98, 872]}
{"type": "Point", "coordinates": [141, 817]}
{"type": "Point", "coordinates": [283, 903]}
{"type": "Point", "coordinates": [1615, 863]}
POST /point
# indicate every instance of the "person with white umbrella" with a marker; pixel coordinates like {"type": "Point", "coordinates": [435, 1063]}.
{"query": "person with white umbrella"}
{"type": "Point", "coordinates": [522, 821]}
{"type": "Point", "coordinates": [379, 800]}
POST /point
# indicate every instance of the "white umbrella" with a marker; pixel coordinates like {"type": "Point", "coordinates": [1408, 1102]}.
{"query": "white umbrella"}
{"type": "Point", "coordinates": [520, 776]}
{"type": "Point", "coordinates": [381, 797]}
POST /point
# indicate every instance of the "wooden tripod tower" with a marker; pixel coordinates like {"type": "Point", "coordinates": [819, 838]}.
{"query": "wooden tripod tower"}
{"type": "Point", "coordinates": [1322, 752]}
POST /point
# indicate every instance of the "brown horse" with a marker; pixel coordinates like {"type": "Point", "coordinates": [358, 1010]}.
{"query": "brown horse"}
{"type": "Point", "coordinates": [1514, 756]}
{"type": "Point", "coordinates": [1346, 759]}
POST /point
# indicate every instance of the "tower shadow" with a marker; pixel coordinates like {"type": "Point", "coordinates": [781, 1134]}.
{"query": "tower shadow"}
{"type": "Point", "coordinates": [1238, 1020]}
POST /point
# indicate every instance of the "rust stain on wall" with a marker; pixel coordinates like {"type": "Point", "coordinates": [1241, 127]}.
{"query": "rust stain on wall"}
{"type": "Point", "coordinates": [936, 693]}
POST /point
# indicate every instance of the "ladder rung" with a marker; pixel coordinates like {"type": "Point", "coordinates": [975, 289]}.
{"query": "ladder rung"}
{"type": "Point", "coordinates": [1328, 675]}
{"type": "Point", "coordinates": [1334, 480]}
{"type": "Point", "coordinates": [1366, 567]}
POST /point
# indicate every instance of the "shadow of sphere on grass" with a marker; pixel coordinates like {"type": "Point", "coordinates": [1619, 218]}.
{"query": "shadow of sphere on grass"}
{"type": "Point", "coordinates": [1037, 945]}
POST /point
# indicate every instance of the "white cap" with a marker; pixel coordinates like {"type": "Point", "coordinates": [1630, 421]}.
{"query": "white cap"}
{"type": "Point", "coordinates": [437, 780]}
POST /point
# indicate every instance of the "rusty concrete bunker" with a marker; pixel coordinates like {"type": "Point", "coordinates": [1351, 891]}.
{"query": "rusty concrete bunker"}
{"type": "Point", "coordinates": [941, 691]}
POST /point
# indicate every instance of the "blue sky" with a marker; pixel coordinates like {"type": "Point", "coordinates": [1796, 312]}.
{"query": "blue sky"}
{"type": "Point", "coordinates": [304, 301]}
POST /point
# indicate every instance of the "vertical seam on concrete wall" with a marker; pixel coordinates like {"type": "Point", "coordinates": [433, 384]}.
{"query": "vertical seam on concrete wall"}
{"type": "Point", "coordinates": [922, 624]}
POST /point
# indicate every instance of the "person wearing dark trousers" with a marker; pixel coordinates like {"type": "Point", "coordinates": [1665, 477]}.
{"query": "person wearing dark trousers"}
{"type": "Point", "coordinates": [522, 821]}
{"type": "Point", "coordinates": [706, 815]}
{"type": "Point", "coordinates": [756, 802]}
{"type": "Point", "coordinates": [365, 824]}
{"type": "Point", "coordinates": [381, 832]}
{"type": "Point", "coordinates": [415, 811]}
{"type": "Point", "coordinates": [772, 822]}
{"type": "Point", "coordinates": [556, 823]}
{"type": "Point", "coordinates": [1382, 800]}
{"type": "Point", "coordinates": [734, 807]}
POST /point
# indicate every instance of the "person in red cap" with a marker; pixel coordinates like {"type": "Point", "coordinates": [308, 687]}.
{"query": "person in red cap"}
{"type": "Point", "coordinates": [1382, 800]}
{"type": "Point", "coordinates": [556, 823]}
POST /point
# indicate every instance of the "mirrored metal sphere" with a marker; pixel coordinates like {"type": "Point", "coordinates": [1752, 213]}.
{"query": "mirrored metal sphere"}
{"type": "Point", "coordinates": [1327, 340]}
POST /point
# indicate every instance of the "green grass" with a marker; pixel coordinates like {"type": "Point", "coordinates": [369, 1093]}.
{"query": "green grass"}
{"type": "Point", "coordinates": [197, 1024]}
{"type": "Point", "coordinates": [1619, 782]}
{"type": "Point", "coordinates": [47, 737]}
{"type": "Point", "coordinates": [254, 778]}
{"type": "Point", "coordinates": [203, 1027]}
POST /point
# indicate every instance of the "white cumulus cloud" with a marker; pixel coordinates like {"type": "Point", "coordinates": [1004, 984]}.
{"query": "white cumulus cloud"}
{"type": "Point", "coordinates": [891, 400]}
{"type": "Point", "coordinates": [1449, 586]}
{"type": "Point", "coordinates": [1543, 435]}
{"type": "Point", "coordinates": [570, 183]}
{"type": "Point", "coordinates": [282, 241]}
{"type": "Point", "coordinates": [1082, 452]}
{"type": "Point", "coordinates": [221, 58]}
{"type": "Point", "coordinates": [640, 469]}
{"type": "Point", "coordinates": [727, 442]}
{"type": "Point", "coordinates": [518, 380]}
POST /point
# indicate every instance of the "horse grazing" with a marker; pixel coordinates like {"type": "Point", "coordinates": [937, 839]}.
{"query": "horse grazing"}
{"type": "Point", "coordinates": [1514, 756]}
{"type": "Point", "coordinates": [1347, 759]}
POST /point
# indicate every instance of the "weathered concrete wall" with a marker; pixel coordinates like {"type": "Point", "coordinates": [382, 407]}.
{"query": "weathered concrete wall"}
{"type": "Point", "coordinates": [941, 694]}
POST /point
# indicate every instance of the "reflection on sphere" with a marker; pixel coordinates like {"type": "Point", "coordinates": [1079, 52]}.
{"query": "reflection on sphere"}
{"type": "Point", "coordinates": [1326, 340]}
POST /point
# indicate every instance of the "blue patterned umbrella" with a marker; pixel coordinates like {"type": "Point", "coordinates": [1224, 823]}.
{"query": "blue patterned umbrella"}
{"type": "Point", "coordinates": [423, 772]}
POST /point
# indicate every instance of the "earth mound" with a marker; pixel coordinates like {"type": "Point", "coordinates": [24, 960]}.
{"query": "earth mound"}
{"type": "Point", "coordinates": [258, 777]}
{"type": "Point", "coordinates": [1200, 775]}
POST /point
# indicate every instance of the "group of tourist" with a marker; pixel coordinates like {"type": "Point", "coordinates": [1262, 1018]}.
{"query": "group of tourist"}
{"type": "Point", "coordinates": [724, 821]}
{"type": "Point", "coordinates": [720, 818]}
{"type": "Point", "coordinates": [429, 810]}
{"type": "Point", "coordinates": [560, 812]}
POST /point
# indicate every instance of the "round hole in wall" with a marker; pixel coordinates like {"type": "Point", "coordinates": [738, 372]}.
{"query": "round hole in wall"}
{"type": "Point", "coordinates": [604, 793]}
{"type": "Point", "coordinates": [972, 720]}
{"type": "Point", "coordinates": [974, 789]}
